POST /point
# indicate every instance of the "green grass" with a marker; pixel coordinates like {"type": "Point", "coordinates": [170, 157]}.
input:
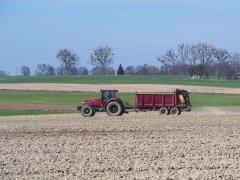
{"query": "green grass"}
{"type": "Point", "coordinates": [75, 98]}
{"type": "Point", "coordinates": [44, 97]}
{"type": "Point", "coordinates": [126, 79]}
{"type": "Point", "coordinates": [14, 112]}
{"type": "Point", "coordinates": [214, 100]}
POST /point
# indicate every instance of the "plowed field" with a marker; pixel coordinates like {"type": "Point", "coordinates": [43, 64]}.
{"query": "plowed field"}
{"type": "Point", "coordinates": [138, 145]}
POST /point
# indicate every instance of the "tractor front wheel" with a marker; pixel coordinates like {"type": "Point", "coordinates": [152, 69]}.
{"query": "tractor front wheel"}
{"type": "Point", "coordinates": [87, 111]}
{"type": "Point", "coordinates": [114, 108]}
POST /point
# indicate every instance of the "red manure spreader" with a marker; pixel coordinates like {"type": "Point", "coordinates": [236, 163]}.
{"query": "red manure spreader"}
{"type": "Point", "coordinates": [170, 103]}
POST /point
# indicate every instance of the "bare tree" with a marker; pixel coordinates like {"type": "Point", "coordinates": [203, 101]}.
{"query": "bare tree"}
{"type": "Point", "coordinates": [235, 59]}
{"type": "Point", "coordinates": [221, 55]}
{"type": "Point", "coordinates": [111, 71]}
{"type": "Point", "coordinates": [43, 69]}
{"type": "Point", "coordinates": [193, 55]}
{"type": "Point", "coordinates": [25, 70]}
{"type": "Point", "coordinates": [153, 70]}
{"type": "Point", "coordinates": [69, 61]}
{"type": "Point", "coordinates": [130, 70]}
{"type": "Point", "coordinates": [169, 60]}
{"type": "Point", "coordinates": [183, 51]}
{"type": "Point", "coordinates": [98, 71]}
{"type": "Point", "coordinates": [102, 58]}
{"type": "Point", "coordinates": [2, 73]}
{"type": "Point", "coordinates": [145, 69]}
{"type": "Point", "coordinates": [205, 55]}
{"type": "Point", "coordinates": [141, 70]}
{"type": "Point", "coordinates": [50, 70]}
{"type": "Point", "coordinates": [82, 71]}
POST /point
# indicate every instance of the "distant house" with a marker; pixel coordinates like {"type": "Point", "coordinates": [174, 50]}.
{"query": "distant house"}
{"type": "Point", "coordinates": [195, 77]}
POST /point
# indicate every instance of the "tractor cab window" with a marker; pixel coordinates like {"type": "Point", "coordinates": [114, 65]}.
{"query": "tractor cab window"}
{"type": "Point", "coordinates": [108, 95]}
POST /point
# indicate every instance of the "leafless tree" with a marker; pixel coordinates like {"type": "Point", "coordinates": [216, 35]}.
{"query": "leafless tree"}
{"type": "Point", "coordinates": [69, 61]}
{"type": "Point", "coordinates": [98, 71]}
{"type": "Point", "coordinates": [141, 70]}
{"type": "Point", "coordinates": [183, 51]}
{"type": "Point", "coordinates": [43, 69]}
{"type": "Point", "coordinates": [152, 70]}
{"type": "Point", "coordinates": [101, 59]}
{"type": "Point", "coordinates": [205, 55]}
{"type": "Point", "coordinates": [25, 70]}
{"type": "Point", "coordinates": [111, 71]}
{"type": "Point", "coordinates": [193, 55]}
{"type": "Point", "coordinates": [130, 70]}
{"type": "Point", "coordinates": [235, 59]}
{"type": "Point", "coordinates": [199, 59]}
{"type": "Point", "coordinates": [50, 70]}
{"type": "Point", "coordinates": [82, 71]}
{"type": "Point", "coordinates": [138, 70]}
{"type": "Point", "coordinates": [169, 60]}
{"type": "Point", "coordinates": [221, 55]}
{"type": "Point", "coordinates": [2, 73]}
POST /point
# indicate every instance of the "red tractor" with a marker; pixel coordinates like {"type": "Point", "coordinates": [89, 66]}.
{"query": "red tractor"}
{"type": "Point", "coordinates": [167, 103]}
{"type": "Point", "coordinates": [108, 102]}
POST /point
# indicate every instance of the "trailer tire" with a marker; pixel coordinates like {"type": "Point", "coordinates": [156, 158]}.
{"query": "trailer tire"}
{"type": "Point", "coordinates": [163, 111]}
{"type": "Point", "coordinates": [114, 108]}
{"type": "Point", "coordinates": [175, 111]}
{"type": "Point", "coordinates": [87, 111]}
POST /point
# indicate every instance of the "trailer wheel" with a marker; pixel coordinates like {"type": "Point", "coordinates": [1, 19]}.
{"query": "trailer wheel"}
{"type": "Point", "coordinates": [163, 111]}
{"type": "Point", "coordinates": [114, 108]}
{"type": "Point", "coordinates": [175, 111]}
{"type": "Point", "coordinates": [87, 111]}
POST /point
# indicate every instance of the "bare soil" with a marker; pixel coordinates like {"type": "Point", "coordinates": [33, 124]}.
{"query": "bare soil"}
{"type": "Point", "coordinates": [120, 87]}
{"type": "Point", "coordinates": [194, 145]}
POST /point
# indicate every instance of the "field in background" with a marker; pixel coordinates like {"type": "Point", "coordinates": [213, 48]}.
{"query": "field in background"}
{"type": "Point", "coordinates": [75, 98]}
{"type": "Point", "coordinates": [126, 79]}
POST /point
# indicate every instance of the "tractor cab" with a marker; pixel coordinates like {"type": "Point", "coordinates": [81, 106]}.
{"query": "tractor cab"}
{"type": "Point", "coordinates": [108, 94]}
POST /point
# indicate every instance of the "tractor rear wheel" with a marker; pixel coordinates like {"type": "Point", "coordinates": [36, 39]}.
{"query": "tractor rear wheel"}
{"type": "Point", "coordinates": [163, 111]}
{"type": "Point", "coordinates": [114, 108]}
{"type": "Point", "coordinates": [175, 111]}
{"type": "Point", "coordinates": [87, 111]}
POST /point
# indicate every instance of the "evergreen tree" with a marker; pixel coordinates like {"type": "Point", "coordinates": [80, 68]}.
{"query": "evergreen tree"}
{"type": "Point", "coordinates": [120, 70]}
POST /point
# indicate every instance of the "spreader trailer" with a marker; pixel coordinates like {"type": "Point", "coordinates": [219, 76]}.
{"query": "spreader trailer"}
{"type": "Point", "coordinates": [167, 103]}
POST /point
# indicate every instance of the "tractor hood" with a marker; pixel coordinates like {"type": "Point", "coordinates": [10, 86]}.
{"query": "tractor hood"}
{"type": "Point", "coordinates": [91, 101]}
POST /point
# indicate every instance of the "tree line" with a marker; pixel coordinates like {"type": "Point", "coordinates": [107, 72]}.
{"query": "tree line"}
{"type": "Point", "coordinates": [201, 60]}
{"type": "Point", "coordinates": [101, 58]}
{"type": "Point", "coordinates": [197, 60]}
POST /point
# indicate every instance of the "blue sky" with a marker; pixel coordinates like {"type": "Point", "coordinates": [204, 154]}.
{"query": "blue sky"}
{"type": "Point", "coordinates": [32, 31]}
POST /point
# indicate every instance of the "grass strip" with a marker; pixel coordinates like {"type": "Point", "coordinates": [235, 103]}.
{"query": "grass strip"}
{"type": "Point", "coordinates": [125, 79]}
{"type": "Point", "coordinates": [15, 112]}
{"type": "Point", "coordinates": [76, 98]}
